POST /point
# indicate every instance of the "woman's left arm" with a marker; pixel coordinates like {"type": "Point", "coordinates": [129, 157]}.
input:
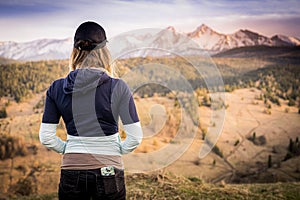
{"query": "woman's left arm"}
{"type": "Point", "coordinates": [49, 139]}
{"type": "Point", "coordinates": [49, 123]}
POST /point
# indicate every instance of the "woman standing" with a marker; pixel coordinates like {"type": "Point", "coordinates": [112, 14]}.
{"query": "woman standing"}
{"type": "Point", "coordinates": [90, 101]}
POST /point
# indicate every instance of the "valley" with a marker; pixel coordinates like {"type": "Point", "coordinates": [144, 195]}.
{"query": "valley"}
{"type": "Point", "coordinates": [258, 142]}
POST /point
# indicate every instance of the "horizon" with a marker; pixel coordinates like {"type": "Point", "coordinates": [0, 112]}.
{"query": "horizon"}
{"type": "Point", "coordinates": [186, 32]}
{"type": "Point", "coordinates": [30, 20]}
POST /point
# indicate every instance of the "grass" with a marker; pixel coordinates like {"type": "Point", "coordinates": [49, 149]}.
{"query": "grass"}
{"type": "Point", "coordinates": [158, 186]}
{"type": "Point", "coordinates": [169, 186]}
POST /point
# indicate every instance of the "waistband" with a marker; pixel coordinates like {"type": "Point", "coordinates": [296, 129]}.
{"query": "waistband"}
{"type": "Point", "coordinates": [82, 161]}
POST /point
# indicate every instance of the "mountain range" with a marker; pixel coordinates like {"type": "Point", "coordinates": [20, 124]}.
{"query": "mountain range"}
{"type": "Point", "coordinates": [149, 42]}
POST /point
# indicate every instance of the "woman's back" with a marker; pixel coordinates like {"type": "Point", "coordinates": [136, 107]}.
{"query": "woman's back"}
{"type": "Point", "coordinates": [91, 102]}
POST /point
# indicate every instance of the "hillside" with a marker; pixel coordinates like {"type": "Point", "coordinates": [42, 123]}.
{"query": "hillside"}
{"type": "Point", "coordinates": [260, 52]}
{"type": "Point", "coordinates": [259, 142]}
{"type": "Point", "coordinates": [6, 60]}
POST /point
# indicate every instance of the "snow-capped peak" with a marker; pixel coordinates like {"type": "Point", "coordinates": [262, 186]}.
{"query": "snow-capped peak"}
{"type": "Point", "coordinates": [171, 28]}
{"type": "Point", "coordinates": [201, 30]}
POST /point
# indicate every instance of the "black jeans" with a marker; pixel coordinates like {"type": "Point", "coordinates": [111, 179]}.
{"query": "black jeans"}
{"type": "Point", "coordinates": [90, 184]}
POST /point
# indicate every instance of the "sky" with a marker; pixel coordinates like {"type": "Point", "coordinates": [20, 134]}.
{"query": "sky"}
{"type": "Point", "coordinates": [27, 20]}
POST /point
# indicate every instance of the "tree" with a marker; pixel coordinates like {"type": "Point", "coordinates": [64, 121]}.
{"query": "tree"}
{"type": "Point", "coordinates": [291, 145]}
{"type": "Point", "coordinates": [3, 113]}
{"type": "Point", "coordinates": [291, 102]}
{"type": "Point", "coordinates": [254, 136]}
{"type": "Point", "coordinates": [270, 161]}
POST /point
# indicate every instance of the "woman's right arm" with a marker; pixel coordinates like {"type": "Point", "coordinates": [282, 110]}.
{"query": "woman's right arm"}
{"type": "Point", "coordinates": [134, 136]}
{"type": "Point", "coordinates": [129, 118]}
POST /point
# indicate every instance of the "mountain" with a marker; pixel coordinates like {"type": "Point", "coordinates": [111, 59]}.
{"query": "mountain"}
{"type": "Point", "coordinates": [149, 42]}
{"type": "Point", "coordinates": [44, 49]}
{"type": "Point", "coordinates": [207, 38]}
{"type": "Point", "coordinates": [211, 40]}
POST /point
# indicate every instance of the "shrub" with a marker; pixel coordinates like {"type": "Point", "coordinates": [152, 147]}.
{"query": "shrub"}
{"type": "Point", "coordinates": [204, 132]}
{"type": "Point", "coordinates": [261, 140]}
{"type": "Point", "coordinates": [217, 151]}
{"type": "Point", "coordinates": [11, 146]}
{"type": "Point", "coordinates": [270, 161]}
{"type": "Point", "coordinates": [267, 111]}
{"type": "Point", "coordinates": [195, 179]}
{"type": "Point", "coordinates": [293, 149]}
{"type": "Point", "coordinates": [291, 102]}
{"type": "Point", "coordinates": [24, 187]}
{"type": "Point", "coordinates": [214, 162]}
{"type": "Point", "coordinates": [236, 142]}
{"type": "Point", "coordinates": [196, 162]}
{"type": "Point", "coordinates": [3, 113]}
{"type": "Point", "coordinates": [254, 136]}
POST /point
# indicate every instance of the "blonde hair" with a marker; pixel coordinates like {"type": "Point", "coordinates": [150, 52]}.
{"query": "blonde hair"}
{"type": "Point", "coordinates": [97, 58]}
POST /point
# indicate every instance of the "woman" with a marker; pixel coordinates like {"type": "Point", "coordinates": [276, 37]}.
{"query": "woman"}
{"type": "Point", "coordinates": [90, 102]}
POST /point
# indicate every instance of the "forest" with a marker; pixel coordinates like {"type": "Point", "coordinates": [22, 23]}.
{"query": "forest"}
{"type": "Point", "coordinates": [276, 77]}
{"type": "Point", "coordinates": [21, 79]}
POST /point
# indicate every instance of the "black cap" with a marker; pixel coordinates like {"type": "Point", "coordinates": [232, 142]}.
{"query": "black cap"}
{"type": "Point", "coordinates": [89, 35]}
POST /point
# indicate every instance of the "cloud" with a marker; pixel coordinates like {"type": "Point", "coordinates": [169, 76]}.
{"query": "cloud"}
{"type": "Point", "coordinates": [21, 8]}
{"type": "Point", "coordinates": [31, 19]}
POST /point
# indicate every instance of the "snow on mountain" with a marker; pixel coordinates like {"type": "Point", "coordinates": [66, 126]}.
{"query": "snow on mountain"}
{"type": "Point", "coordinates": [44, 49]}
{"type": "Point", "coordinates": [156, 42]}
{"type": "Point", "coordinates": [131, 44]}
{"type": "Point", "coordinates": [169, 42]}
{"type": "Point", "coordinates": [149, 42]}
{"type": "Point", "coordinates": [211, 40]}
{"type": "Point", "coordinates": [206, 38]}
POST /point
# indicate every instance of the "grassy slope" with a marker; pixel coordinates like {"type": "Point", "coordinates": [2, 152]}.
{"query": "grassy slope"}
{"type": "Point", "coordinates": [168, 186]}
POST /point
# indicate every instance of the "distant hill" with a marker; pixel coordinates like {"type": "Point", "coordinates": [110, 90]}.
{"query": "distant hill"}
{"type": "Point", "coordinates": [261, 51]}
{"type": "Point", "coordinates": [149, 42]}
{"type": "Point", "coordinates": [6, 61]}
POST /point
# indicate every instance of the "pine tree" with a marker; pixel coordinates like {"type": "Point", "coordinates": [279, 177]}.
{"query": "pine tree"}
{"type": "Point", "coordinates": [270, 161]}
{"type": "Point", "coordinates": [3, 113]}
{"type": "Point", "coordinates": [291, 145]}
{"type": "Point", "coordinates": [254, 136]}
